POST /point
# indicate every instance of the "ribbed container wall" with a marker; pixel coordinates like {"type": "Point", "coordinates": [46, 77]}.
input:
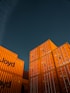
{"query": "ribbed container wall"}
{"type": "Point", "coordinates": [34, 54]}
{"type": "Point", "coordinates": [40, 67]}
{"type": "Point", "coordinates": [47, 63]}
{"type": "Point", "coordinates": [62, 55]}
{"type": "Point", "coordinates": [19, 67]}
{"type": "Point", "coordinates": [46, 48]}
{"type": "Point", "coordinates": [35, 84]}
{"type": "Point", "coordinates": [64, 79]}
{"type": "Point", "coordinates": [39, 53]}
{"type": "Point", "coordinates": [11, 71]}
{"type": "Point", "coordinates": [62, 61]}
{"type": "Point", "coordinates": [34, 68]}
{"type": "Point", "coordinates": [50, 82]}
{"type": "Point", "coordinates": [34, 71]}
{"type": "Point", "coordinates": [49, 76]}
{"type": "Point", "coordinates": [49, 68]}
{"type": "Point", "coordinates": [10, 62]}
{"type": "Point", "coordinates": [41, 50]}
{"type": "Point", "coordinates": [10, 83]}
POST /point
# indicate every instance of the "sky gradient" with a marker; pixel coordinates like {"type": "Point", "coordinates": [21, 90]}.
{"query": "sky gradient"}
{"type": "Point", "coordinates": [28, 23]}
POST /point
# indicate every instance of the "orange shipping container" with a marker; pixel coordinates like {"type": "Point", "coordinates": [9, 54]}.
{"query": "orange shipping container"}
{"type": "Point", "coordinates": [45, 83]}
{"type": "Point", "coordinates": [35, 84]}
{"type": "Point", "coordinates": [10, 83]}
{"type": "Point", "coordinates": [65, 50]}
{"type": "Point", "coordinates": [68, 68]}
{"type": "Point", "coordinates": [42, 50]}
{"type": "Point", "coordinates": [47, 63]}
{"type": "Point", "coordinates": [34, 68]}
{"type": "Point", "coordinates": [19, 67]}
{"type": "Point", "coordinates": [64, 79]}
{"type": "Point", "coordinates": [62, 55]}
{"type": "Point", "coordinates": [34, 54]}
{"type": "Point", "coordinates": [47, 47]}
{"type": "Point", "coordinates": [10, 63]}
{"type": "Point", "coordinates": [50, 82]}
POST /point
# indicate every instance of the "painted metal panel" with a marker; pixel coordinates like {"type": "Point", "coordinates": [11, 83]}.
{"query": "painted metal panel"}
{"type": "Point", "coordinates": [10, 83]}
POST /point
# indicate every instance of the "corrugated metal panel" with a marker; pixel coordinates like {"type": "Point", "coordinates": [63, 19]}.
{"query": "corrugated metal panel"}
{"type": "Point", "coordinates": [62, 55]}
{"type": "Point", "coordinates": [46, 47]}
{"type": "Point", "coordinates": [47, 63]}
{"type": "Point", "coordinates": [50, 83]}
{"type": "Point", "coordinates": [19, 67]}
{"type": "Point", "coordinates": [53, 79]}
{"type": "Point", "coordinates": [42, 50]}
{"type": "Point", "coordinates": [64, 79]}
{"type": "Point", "coordinates": [68, 68]}
{"type": "Point", "coordinates": [41, 61]}
{"type": "Point", "coordinates": [7, 62]}
{"type": "Point", "coordinates": [47, 84]}
{"type": "Point", "coordinates": [34, 68]}
{"type": "Point", "coordinates": [58, 57]}
{"type": "Point", "coordinates": [34, 54]}
{"type": "Point", "coordinates": [35, 84]}
{"type": "Point", "coordinates": [11, 64]}
{"type": "Point", "coordinates": [65, 50]}
{"type": "Point", "coordinates": [10, 83]}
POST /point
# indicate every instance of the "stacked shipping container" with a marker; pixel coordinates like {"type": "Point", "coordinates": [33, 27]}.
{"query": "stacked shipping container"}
{"type": "Point", "coordinates": [62, 61]}
{"type": "Point", "coordinates": [49, 80]}
{"type": "Point", "coordinates": [34, 70]}
{"type": "Point", "coordinates": [10, 83]}
{"type": "Point", "coordinates": [41, 69]}
{"type": "Point", "coordinates": [49, 68]}
{"type": "Point", "coordinates": [11, 71]}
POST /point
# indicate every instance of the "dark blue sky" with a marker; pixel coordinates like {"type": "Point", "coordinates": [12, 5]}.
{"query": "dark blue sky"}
{"type": "Point", "coordinates": [24, 24]}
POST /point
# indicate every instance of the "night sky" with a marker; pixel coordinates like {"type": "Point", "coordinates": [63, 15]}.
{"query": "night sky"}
{"type": "Point", "coordinates": [24, 24]}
